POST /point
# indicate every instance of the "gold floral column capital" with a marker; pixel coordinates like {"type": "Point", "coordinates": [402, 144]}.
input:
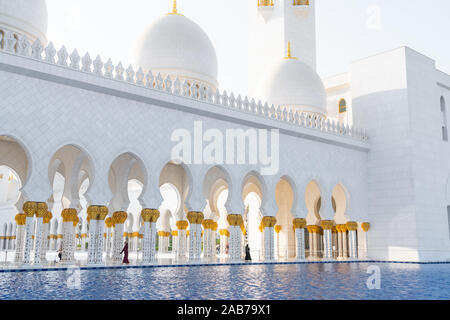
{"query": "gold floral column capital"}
{"type": "Point", "coordinates": [119, 217]}
{"type": "Point", "coordinates": [182, 224]}
{"type": "Point", "coordinates": [207, 224]}
{"type": "Point", "coordinates": [313, 229]}
{"type": "Point", "coordinates": [150, 215]}
{"type": "Point", "coordinates": [352, 226]}
{"type": "Point", "coordinates": [47, 217]}
{"type": "Point", "coordinates": [30, 208]}
{"type": "Point", "coordinates": [278, 228]}
{"type": "Point", "coordinates": [200, 217]}
{"type": "Point", "coordinates": [109, 222]}
{"type": "Point", "coordinates": [21, 219]}
{"type": "Point", "coordinates": [299, 223]}
{"type": "Point", "coordinates": [69, 215]}
{"type": "Point", "coordinates": [97, 212]}
{"type": "Point", "coordinates": [365, 226]}
{"type": "Point", "coordinates": [269, 222]}
{"type": "Point", "coordinates": [41, 209]}
{"type": "Point", "coordinates": [327, 224]}
{"type": "Point", "coordinates": [195, 217]}
{"type": "Point", "coordinates": [233, 219]}
{"type": "Point", "coordinates": [76, 220]}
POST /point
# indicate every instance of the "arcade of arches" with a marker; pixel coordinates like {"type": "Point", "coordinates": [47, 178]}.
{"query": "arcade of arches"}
{"type": "Point", "coordinates": [67, 220]}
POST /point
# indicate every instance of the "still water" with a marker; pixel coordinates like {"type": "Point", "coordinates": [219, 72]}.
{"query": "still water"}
{"type": "Point", "coordinates": [293, 281]}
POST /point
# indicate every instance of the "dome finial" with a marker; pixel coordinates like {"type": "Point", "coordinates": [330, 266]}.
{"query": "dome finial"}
{"type": "Point", "coordinates": [289, 54]}
{"type": "Point", "coordinates": [174, 9]}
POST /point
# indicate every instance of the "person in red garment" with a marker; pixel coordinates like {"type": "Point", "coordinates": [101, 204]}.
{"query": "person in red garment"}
{"type": "Point", "coordinates": [125, 252]}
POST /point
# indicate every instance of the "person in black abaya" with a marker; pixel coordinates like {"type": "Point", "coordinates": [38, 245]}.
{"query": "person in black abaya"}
{"type": "Point", "coordinates": [247, 253]}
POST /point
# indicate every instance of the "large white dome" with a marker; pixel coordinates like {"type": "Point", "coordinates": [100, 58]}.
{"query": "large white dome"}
{"type": "Point", "coordinates": [25, 17]}
{"type": "Point", "coordinates": [293, 84]}
{"type": "Point", "coordinates": [176, 46]}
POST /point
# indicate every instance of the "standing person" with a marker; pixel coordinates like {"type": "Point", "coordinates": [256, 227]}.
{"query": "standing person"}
{"type": "Point", "coordinates": [60, 253]}
{"type": "Point", "coordinates": [125, 252]}
{"type": "Point", "coordinates": [247, 253]}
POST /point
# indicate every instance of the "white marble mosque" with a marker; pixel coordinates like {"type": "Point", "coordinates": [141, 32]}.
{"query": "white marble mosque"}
{"type": "Point", "coordinates": [350, 167]}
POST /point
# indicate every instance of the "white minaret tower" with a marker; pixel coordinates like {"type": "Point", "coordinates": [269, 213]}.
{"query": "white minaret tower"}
{"type": "Point", "coordinates": [274, 23]}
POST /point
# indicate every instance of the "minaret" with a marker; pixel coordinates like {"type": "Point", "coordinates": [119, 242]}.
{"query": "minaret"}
{"type": "Point", "coordinates": [275, 23]}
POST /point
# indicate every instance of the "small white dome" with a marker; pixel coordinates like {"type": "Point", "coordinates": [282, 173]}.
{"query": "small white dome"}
{"type": "Point", "coordinates": [293, 84]}
{"type": "Point", "coordinates": [176, 46]}
{"type": "Point", "coordinates": [25, 17]}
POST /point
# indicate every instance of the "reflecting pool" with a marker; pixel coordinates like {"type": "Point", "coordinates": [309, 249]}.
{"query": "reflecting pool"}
{"type": "Point", "coordinates": [292, 281]}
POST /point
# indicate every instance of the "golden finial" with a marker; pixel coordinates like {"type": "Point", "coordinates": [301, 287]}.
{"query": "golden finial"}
{"type": "Point", "coordinates": [289, 55]}
{"type": "Point", "coordinates": [174, 9]}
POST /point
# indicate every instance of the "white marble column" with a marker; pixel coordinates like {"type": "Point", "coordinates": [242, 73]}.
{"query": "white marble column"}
{"type": "Point", "coordinates": [68, 241]}
{"type": "Point", "coordinates": [352, 226]}
{"type": "Point", "coordinates": [299, 228]}
{"type": "Point", "coordinates": [174, 242]}
{"type": "Point", "coordinates": [92, 241]}
{"type": "Point", "coordinates": [195, 219]}
{"type": "Point", "coordinates": [213, 239]}
{"type": "Point", "coordinates": [100, 240]}
{"type": "Point", "coordinates": [163, 241]}
{"type": "Point", "coordinates": [45, 236]}
{"type": "Point", "coordinates": [311, 241]}
{"type": "Point", "coordinates": [363, 250]}
{"type": "Point", "coordinates": [118, 220]}
{"type": "Point", "coordinates": [30, 209]}
{"type": "Point", "coordinates": [224, 237]}
{"type": "Point", "coordinates": [181, 239]}
{"type": "Point", "coordinates": [207, 242]}
{"type": "Point", "coordinates": [96, 216]}
{"type": "Point", "coordinates": [20, 237]}
{"type": "Point", "coordinates": [268, 224]}
{"type": "Point", "coordinates": [327, 225]}
{"type": "Point", "coordinates": [109, 227]}
{"type": "Point", "coordinates": [235, 242]}
{"type": "Point", "coordinates": [149, 216]}
{"type": "Point", "coordinates": [339, 243]}
{"type": "Point", "coordinates": [345, 242]}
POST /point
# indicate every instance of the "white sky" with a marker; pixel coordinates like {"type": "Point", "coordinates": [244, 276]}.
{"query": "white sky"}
{"type": "Point", "coordinates": [347, 30]}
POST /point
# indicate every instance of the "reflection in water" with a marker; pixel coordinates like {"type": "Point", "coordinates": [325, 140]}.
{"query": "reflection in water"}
{"type": "Point", "coordinates": [293, 281]}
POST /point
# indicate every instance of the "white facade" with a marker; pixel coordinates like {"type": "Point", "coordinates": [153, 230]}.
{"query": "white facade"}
{"type": "Point", "coordinates": [77, 130]}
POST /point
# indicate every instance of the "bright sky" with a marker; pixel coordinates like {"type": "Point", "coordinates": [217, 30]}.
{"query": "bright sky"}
{"type": "Point", "coordinates": [347, 30]}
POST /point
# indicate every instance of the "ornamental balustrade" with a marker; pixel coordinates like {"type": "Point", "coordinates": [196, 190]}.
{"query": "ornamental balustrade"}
{"type": "Point", "coordinates": [20, 45]}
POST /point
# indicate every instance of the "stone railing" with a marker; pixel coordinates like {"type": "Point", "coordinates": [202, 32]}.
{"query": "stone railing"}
{"type": "Point", "coordinates": [22, 46]}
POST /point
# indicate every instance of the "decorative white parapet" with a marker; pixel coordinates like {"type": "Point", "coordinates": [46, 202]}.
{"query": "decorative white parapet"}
{"type": "Point", "coordinates": [176, 87]}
